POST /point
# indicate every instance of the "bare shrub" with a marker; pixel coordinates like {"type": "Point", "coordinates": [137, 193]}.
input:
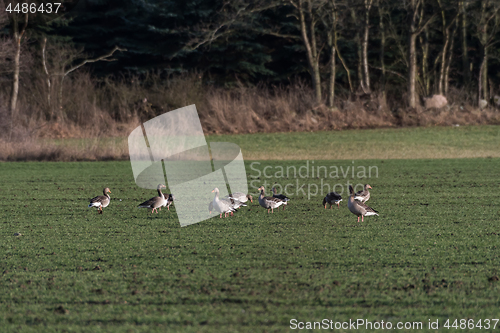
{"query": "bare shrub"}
{"type": "Point", "coordinates": [285, 109]}
{"type": "Point", "coordinates": [255, 109]}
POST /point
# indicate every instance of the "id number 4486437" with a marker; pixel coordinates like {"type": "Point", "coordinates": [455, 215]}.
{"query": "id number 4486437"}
{"type": "Point", "coordinates": [471, 324]}
{"type": "Point", "coordinates": [33, 8]}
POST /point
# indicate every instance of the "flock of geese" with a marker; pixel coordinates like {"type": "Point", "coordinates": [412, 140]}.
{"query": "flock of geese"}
{"type": "Point", "coordinates": [230, 203]}
{"type": "Point", "coordinates": [155, 203]}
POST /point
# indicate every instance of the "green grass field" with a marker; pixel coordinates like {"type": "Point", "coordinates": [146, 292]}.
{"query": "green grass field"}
{"type": "Point", "coordinates": [432, 254]}
{"type": "Point", "coordinates": [388, 143]}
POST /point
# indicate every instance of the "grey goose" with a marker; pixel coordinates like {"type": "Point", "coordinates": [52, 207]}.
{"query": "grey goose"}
{"type": "Point", "coordinates": [358, 208]}
{"type": "Point", "coordinates": [269, 202]}
{"type": "Point", "coordinates": [155, 202]}
{"type": "Point", "coordinates": [363, 195]}
{"type": "Point", "coordinates": [101, 201]}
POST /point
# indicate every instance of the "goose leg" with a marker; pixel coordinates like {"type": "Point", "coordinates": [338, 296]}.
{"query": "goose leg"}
{"type": "Point", "coordinates": [358, 219]}
{"type": "Point", "coordinates": [362, 218]}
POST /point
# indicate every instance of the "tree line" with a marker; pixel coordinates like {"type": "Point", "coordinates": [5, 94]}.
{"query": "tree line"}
{"type": "Point", "coordinates": [395, 49]}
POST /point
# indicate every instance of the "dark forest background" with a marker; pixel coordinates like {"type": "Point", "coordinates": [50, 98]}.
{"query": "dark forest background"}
{"type": "Point", "coordinates": [99, 67]}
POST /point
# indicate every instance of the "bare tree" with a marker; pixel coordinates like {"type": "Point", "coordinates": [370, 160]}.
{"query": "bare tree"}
{"type": "Point", "coordinates": [64, 59]}
{"type": "Point", "coordinates": [367, 7]}
{"type": "Point", "coordinates": [447, 45]}
{"type": "Point", "coordinates": [424, 42]}
{"type": "Point", "coordinates": [486, 28]}
{"type": "Point", "coordinates": [19, 23]}
{"type": "Point", "coordinates": [308, 14]}
{"type": "Point", "coordinates": [465, 52]}
{"type": "Point", "coordinates": [415, 28]}
{"type": "Point", "coordinates": [330, 22]}
{"type": "Point", "coordinates": [382, 50]}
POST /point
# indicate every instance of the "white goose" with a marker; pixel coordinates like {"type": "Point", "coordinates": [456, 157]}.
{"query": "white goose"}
{"type": "Point", "coordinates": [240, 196]}
{"type": "Point", "coordinates": [222, 206]}
{"type": "Point", "coordinates": [233, 203]}
{"type": "Point", "coordinates": [101, 201]}
{"type": "Point", "coordinates": [358, 208]}
{"type": "Point", "coordinates": [269, 202]}
{"type": "Point", "coordinates": [155, 202]}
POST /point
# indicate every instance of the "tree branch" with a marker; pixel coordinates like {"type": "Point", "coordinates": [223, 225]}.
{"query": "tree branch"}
{"type": "Point", "coordinates": [420, 29]}
{"type": "Point", "coordinates": [101, 58]}
{"type": "Point", "coordinates": [389, 71]}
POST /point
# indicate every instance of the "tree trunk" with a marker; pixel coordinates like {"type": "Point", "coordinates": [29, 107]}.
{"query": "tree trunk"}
{"type": "Point", "coordinates": [446, 36]}
{"type": "Point", "coordinates": [359, 45]}
{"type": "Point", "coordinates": [443, 61]}
{"type": "Point", "coordinates": [48, 80]}
{"type": "Point", "coordinates": [331, 93]}
{"type": "Point", "coordinates": [60, 98]}
{"type": "Point", "coordinates": [412, 56]}
{"type": "Point", "coordinates": [465, 53]}
{"type": "Point", "coordinates": [480, 81]}
{"type": "Point", "coordinates": [310, 45]}
{"type": "Point", "coordinates": [18, 36]}
{"type": "Point", "coordinates": [368, 5]}
{"type": "Point", "coordinates": [484, 42]}
{"type": "Point", "coordinates": [424, 41]}
{"type": "Point", "coordinates": [15, 80]}
{"type": "Point", "coordinates": [348, 72]}
{"type": "Point", "coordinates": [448, 63]}
{"type": "Point", "coordinates": [382, 53]}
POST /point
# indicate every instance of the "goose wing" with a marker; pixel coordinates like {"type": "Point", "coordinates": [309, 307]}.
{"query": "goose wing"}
{"type": "Point", "coordinates": [272, 202]}
{"type": "Point", "coordinates": [240, 196]}
{"type": "Point", "coordinates": [155, 202]}
{"type": "Point", "coordinates": [100, 200]}
{"type": "Point", "coordinates": [366, 210]}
